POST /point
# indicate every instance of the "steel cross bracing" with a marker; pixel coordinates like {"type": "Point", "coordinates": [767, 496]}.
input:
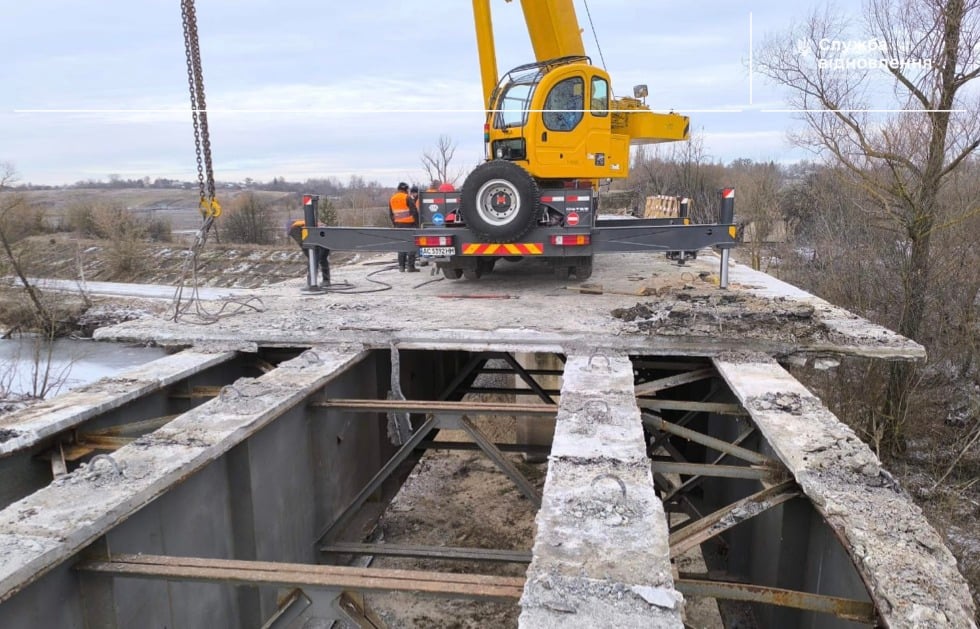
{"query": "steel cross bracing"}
{"type": "Point", "coordinates": [447, 412]}
{"type": "Point", "coordinates": [664, 393]}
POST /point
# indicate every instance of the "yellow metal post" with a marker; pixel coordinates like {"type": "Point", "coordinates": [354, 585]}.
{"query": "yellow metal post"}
{"type": "Point", "coordinates": [485, 47]}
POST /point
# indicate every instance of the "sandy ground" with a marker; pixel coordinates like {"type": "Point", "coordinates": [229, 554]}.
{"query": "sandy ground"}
{"type": "Point", "coordinates": [457, 499]}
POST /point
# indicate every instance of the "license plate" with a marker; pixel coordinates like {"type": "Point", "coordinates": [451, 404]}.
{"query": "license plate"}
{"type": "Point", "coordinates": [437, 252]}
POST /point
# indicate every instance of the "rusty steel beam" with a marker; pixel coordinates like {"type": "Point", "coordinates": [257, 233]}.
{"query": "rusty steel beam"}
{"type": "Point", "coordinates": [846, 608]}
{"type": "Point", "coordinates": [430, 444]}
{"type": "Point", "coordinates": [668, 365]}
{"type": "Point", "coordinates": [713, 524]}
{"type": "Point", "coordinates": [661, 384]}
{"type": "Point", "coordinates": [528, 380]}
{"type": "Point", "coordinates": [353, 606]}
{"type": "Point", "coordinates": [718, 445]}
{"type": "Point", "coordinates": [502, 462]}
{"type": "Point", "coordinates": [533, 372]}
{"type": "Point", "coordinates": [197, 392]}
{"type": "Point", "coordinates": [696, 480]}
{"type": "Point", "coordinates": [104, 442]}
{"type": "Point", "coordinates": [293, 575]}
{"type": "Point", "coordinates": [510, 391]}
{"type": "Point", "coordinates": [131, 429]}
{"type": "Point", "coordinates": [429, 552]}
{"type": "Point", "coordinates": [438, 407]}
{"type": "Point", "coordinates": [749, 472]}
{"type": "Point", "coordinates": [718, 408]}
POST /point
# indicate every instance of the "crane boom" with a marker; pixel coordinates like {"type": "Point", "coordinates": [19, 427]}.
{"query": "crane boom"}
{"type": "Point", "coordinates": [553, 28]}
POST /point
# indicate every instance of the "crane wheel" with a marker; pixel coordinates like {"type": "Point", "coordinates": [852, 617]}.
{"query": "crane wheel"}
{"type": "Point", "coordinates": [500, 201]}
{"type": "Point", "coordinates": [583, 269]}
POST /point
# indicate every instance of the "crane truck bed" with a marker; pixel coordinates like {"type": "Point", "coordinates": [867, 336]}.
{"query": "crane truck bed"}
{"type": "Point", "coordinates": [568, 234]}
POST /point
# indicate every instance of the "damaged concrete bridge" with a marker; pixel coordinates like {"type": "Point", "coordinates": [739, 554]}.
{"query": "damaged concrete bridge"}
{"type": "Point", "coordinates": [239, 481]}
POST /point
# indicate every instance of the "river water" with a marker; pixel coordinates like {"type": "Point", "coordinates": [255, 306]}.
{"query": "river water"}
{"type": "Point", "coordinates": [73, 363]}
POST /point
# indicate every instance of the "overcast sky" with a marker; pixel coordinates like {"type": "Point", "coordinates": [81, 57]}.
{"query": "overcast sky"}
{"type": "Point", "coordinates": [358, 87]}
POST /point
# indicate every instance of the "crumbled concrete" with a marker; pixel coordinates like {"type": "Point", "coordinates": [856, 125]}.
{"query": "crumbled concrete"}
{"type": "Point", "coordinates": [600, 553]}
{"type": "Point", "coordinates": [562, 602]}
{"type": "Point", "coordinates": [911, 574]}
{"type": "Point", "coordinates": [523, 306]}
{"type": "Point", "coordinates": [54, 523]}
{"type": "Point", "coordinates": [27, 427]}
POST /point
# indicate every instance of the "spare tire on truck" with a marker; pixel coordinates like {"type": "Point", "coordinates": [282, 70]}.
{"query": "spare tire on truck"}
{"type": "Point", "coordinates": [500, 201]}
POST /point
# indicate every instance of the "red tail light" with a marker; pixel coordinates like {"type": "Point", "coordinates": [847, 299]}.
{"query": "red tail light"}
{"type": "Point", "coordinates": [571, 241]}
{"type": "Point", "coordinates": [434, 241]}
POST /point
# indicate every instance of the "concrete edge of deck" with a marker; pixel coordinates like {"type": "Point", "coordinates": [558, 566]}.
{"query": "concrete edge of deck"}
{"type": "Point", "coordinates": [904, 562]}
{"type": "Point", "coordinates": [534, 313]}
{"type": "Point", "coordinates": [600, 556]}
{"type": "Point", "coordinates": [25, 428]}
{"type": "Point", "coordinates": [506, 339]}
{"type": "Point", "coordinates": [876, 341]}
{"type": "Point", "coordinates": [56, 522]}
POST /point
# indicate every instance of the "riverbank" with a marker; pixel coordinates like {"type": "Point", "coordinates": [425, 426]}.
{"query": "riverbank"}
{"type": "Point", "coordinates": [84, 290]}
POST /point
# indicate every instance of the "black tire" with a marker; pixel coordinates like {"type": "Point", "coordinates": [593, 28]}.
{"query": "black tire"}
{"type": "Point", "coordinates": [473, 274]}
{"type": "Point", "coordinates": [562, 272]}
{"type": "Point", "coordinates": [452, 273]}
{"type": "Point", "coordinates": [500, 201]}
{"type": "Point", "coordinates": [514, 259]}
{"type": "Point", "coordinates": [583, 270]}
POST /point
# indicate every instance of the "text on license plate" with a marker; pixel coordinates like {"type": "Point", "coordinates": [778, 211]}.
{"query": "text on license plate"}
{"type": "Point", "coordinates": [437, 251]}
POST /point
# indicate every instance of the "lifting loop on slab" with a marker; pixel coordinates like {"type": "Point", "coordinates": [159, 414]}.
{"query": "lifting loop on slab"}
{"type": "Point", "coordinates": [116, 469]}
{"type": "Point", "coordinates": [619, 481]}
{"type": "Point", "coordinates": [593, 356]}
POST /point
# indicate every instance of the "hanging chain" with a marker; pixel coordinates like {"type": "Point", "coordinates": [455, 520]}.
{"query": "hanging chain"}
{"type": "Point", "coordinates": [210, 208]}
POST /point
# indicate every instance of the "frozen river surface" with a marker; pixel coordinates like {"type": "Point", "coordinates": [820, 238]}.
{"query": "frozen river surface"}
{"type": "Point", "coordinates": [72, 363]}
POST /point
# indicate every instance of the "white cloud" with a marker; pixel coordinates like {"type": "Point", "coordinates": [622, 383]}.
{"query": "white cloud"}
{"type": "Point", "coordinates": [328, 84]}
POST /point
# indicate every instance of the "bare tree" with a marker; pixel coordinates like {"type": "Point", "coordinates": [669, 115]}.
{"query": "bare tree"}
{"type": "Point", "coordinates": [437, 162]}
{"type": "Point", "coordinates": [249, 219]}
{"type": "Point", "coordinates": [921, 55]}
{"type": "Point", "coordinates": [12, 203]}
{"type": "Point", "coordinates": [681, 169]}
{"type": "Point", "coordinates": [758, 186]}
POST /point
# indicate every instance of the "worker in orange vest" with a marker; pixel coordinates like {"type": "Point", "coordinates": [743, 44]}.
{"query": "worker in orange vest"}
{"type": "Point", "coordinates": [404, 214]}
{"type": "Point", "coordinates": [295, 232]}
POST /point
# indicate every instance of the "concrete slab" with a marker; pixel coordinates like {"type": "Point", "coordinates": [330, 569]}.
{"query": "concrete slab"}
{"type": "Point", "coordinates": [25, 428]}
{"type": "Point", "coordinates": [600, 556]}
{"type": "Point", "coordinates": [52, 524]}
{"type": "Point", "coordinates": [901, 558]}
{"type": "Point", "coordinates": [646, 305]}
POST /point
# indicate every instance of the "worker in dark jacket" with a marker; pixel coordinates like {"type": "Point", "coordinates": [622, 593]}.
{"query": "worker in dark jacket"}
{"type": "Point", "coordinates": [404, 213]}
{"type": "Point", "coordinates": [295, 232]}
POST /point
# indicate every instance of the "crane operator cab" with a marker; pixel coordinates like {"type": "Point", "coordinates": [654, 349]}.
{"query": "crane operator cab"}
{"type": "Point", "coordinates": [553, 119]}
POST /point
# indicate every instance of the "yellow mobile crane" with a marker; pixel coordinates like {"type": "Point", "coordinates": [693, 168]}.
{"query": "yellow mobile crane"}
{"type": "Point", "coordinates": [551, 123]}
{"type": "Point", "coordinates": [553, 131]}
{"type": "Point", "coordinates": [556, 117]}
